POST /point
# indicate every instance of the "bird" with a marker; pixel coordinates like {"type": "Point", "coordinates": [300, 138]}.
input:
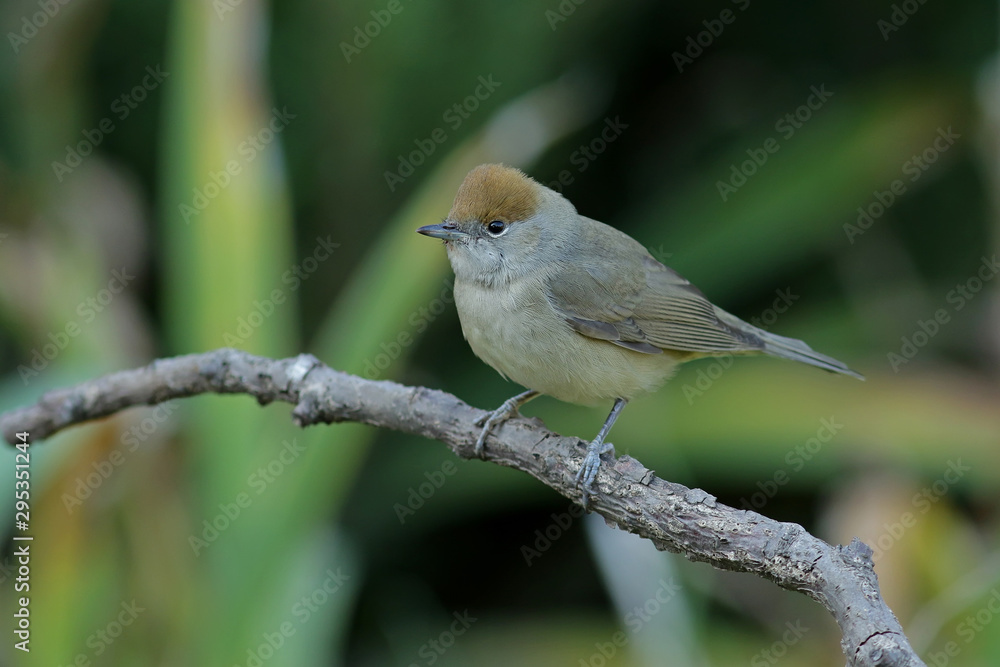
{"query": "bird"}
{"type": "Point", "coordinates": [572, 308]}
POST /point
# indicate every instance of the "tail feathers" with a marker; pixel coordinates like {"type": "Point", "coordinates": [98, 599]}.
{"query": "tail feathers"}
{"type": "Point", "coordinates": [796, 350]}
{"type": "Point", "coordinates": [786, 348]}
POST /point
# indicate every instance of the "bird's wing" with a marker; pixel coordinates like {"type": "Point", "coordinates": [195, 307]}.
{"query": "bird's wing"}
{"type": "Point", "coordinates": [675, 314]}
{"type": "Point", "coordinates": [648, 308]}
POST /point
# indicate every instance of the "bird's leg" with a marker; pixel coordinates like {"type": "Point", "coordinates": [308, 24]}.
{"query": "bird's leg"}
{"type": "Point", "coordinates": [588, 471]}
{"type": "Point", "coordinates": [499, 416]}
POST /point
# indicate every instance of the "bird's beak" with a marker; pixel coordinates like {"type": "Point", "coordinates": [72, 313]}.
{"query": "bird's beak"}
{"type": "Point", "coordinates": [447, 231]}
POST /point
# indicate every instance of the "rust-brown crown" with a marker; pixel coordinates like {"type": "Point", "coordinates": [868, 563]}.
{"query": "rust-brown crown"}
{"type": "Point", "coordinates": [495, 192]}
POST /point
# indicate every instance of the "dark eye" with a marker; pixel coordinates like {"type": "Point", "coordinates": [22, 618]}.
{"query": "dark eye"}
{"type": "Point", "coordinates": [496, 227]}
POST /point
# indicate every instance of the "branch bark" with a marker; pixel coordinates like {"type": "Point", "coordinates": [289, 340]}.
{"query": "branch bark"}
{"type": "Point", "coordinates": [675, 518]}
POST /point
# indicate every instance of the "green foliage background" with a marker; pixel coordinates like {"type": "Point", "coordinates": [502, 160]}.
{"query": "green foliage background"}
{"type": "Point", "coordinates": [361, 546]}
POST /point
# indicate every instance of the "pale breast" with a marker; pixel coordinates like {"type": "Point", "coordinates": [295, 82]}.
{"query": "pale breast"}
{"type": "Point", "coordinates": [516, 331]}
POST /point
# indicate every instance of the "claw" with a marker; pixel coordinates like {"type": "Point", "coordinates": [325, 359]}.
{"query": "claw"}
{"type": "Point", "coordinates": [490, 421]}
{"type": "Point", "coordinates": [592, 461]}
{"type": "Point", "coordinates": [591, 465]}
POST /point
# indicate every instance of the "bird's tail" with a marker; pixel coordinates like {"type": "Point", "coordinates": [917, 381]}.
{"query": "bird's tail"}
{"type": "Point", "coordinates": [790, 348]}
{"type": "Point", "coordinates": [796, 350]}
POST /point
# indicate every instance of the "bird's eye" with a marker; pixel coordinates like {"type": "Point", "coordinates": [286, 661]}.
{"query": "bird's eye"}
{"type": "Point", "coordinates": [496, 227]}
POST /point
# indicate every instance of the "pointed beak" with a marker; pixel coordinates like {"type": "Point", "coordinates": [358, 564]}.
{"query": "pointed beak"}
{"type": "Point", "coordinates": [446, 231]}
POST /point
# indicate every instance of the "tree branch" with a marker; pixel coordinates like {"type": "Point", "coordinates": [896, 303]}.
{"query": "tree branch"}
{"type": "Point", "coordinates": [675, 518]}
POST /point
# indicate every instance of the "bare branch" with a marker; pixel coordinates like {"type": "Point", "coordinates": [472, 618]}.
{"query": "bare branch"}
{"type": "Point", "coordinates": [675, 518]}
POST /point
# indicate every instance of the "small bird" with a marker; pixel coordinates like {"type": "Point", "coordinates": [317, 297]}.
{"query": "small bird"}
{"type": "Point", "coordinates": [575, 309]}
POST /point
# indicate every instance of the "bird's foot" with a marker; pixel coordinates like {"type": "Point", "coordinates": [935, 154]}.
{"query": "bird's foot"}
{"type": "Point", "coordinates": [591, 464]}
{"type": "Point", "coordinates": [490, 421]}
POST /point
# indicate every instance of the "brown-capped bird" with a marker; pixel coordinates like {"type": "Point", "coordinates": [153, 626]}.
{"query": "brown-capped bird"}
{"type": "Point", "coordinates": [570, 307]}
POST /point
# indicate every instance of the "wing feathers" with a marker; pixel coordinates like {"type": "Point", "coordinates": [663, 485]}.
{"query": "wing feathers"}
{"type": "Point", "coordinates": [642, 305]}
{"type": "Point", "coordinates": [649, 310]}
